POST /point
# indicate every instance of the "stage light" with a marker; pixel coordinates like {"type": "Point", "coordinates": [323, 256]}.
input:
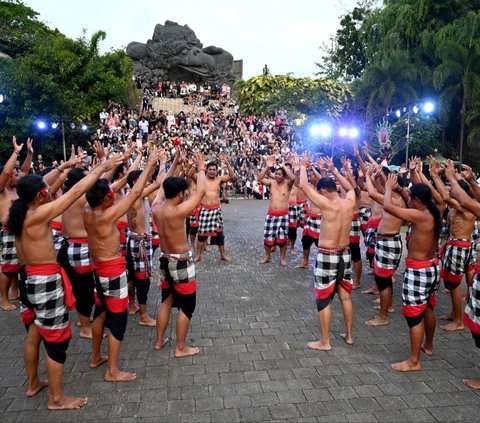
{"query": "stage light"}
{"type": "Point", "coordinates": [415, 109]}
{"type": "Point", "coordinates": [54, 125]}
{"type": "Point", "coordinates": [428, 107]}
{"type": "Point", "coordinates": [315, 130]}
{"type": "Point", "coordinates": [353, 133]}
{"type": "Point", "coordinates": [398, 113]}
{"type": "Point", "coordinates": [343, 132]}
{"type": "Point", "coordinates": [41, 124]}
{"type": "Point", "coordinates": [325, 130]}
{"type": "Point", "coordinates": [73, 126]}
{"type": "Point", "coordinates": [84, 127]}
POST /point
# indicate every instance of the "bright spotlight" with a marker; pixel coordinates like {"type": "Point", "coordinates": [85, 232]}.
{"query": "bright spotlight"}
{"type": "Point", "coordinates": [398, 113]}
{"type": "Point", "coordinates": [353, 133]}
{"type": "Point", "coordinates": [2, 98]}
{"type": "Point", "coordinates": [428, 107]}
{"type": "Point", "coordinates": [315, 130]}
{"type": "Point", "coordinates": [343, 132]}
{"type": "Point", "coordinates": [54, 125]}
{"type": "Point", "coordinates": [415, 109]}
{"type": "Point", "coordinates": [325, 130]}
{"type": "Point", "coordinates": [41, 124]}
{"type": "Point", "coordinates": [84, 127]}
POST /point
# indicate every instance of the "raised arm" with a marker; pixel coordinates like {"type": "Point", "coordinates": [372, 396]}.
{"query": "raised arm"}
{"type": "Point", "coordinates": [465, 202]}
{"type": "Point", "coordinates": [442, 189]}
{"type": "Point", "coordinates": [27, 163]}
{"type": "Point", "coordinates": [415, 173]}
{"type": "Point", "coordinates": [468, 176]}
{"type": "Point", "coordinates": [360, 161]}
{"type": "Point", "coordinates": [231, 174]}
{"type": "Point", "coordinates": [372, 192]}
{"type": "Point", "coordinates": [10, 165]}
{"type": "Point", "coordinates": [317, 199]}
{"type": "Point", "coordinates": [171, 171]}
{"type": "Point", "coordinates": [189, 205]}
{"type": "Point", "coordinates": [270, 161]}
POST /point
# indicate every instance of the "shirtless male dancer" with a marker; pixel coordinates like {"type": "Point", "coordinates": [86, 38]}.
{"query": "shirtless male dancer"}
{"type": "Point", "coordinates": [46, 294]}
{"type": "Point", "coordinates": [210, 219]}
{"type": "Point", "coordinates": [457, 250]}
{"type": "Point", "coordinates": [422, 268]}
{"type": "Point", "coordinates": [388, 251]}
{"type": "Point", "coordinates": [177, 269]}
{"type": "Point", "coordinates": [276, 223]}
{"type": "Point", "coordinates": [8, 193]}
{"type": "Point", "coordinates": [333, 267]}
{"type": "Point", "coordinates": [111, 292]}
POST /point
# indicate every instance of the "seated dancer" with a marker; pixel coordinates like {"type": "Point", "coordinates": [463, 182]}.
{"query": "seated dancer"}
{"type": "Point", "coordinates": [211, 219]}
{"type": "Point", "coordinates": [139, 255]}
{"type": "Point", "coordinates": [388, 250]}
{"type": "Point", "coordinates": [457, 250]}
{"type": "Point", "coordinates": [177, 269]}
{"type": "Point", "coordinates": [333, 270]}
{"type": "Point", "coordinates": [471, 317]}
{"type": "Point", "coordinates": [46, 293]}
{"type": "Point", "coordinates": [276, 223]}
{"type": "Point", "coordinates": [422, 270]}
{"type": "Point", "coordinates": [111, 291]}
{"type": "Point", "coordinates": [8, 258]}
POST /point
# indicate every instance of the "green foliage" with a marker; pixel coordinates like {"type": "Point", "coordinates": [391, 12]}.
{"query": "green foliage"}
{"type": "Point", "coordinates": [263, 95]}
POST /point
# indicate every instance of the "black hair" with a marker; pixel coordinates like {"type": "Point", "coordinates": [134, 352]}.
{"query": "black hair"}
{"type": "Point", "coordinates": [118, 172]}
{"type": "Point", "coordinates": [174, 185]}
{"type": "Point", "coordinates": [74, 175]}
{"type": "Point", "coordinates": [401, 181]}
{"type": "Point", "coordinates": [281, 169]}
{"type": "Point", "coordinates": [464, 185]}
{"type": "Point", "coordinates": [212, 164]}
{"type": "Point", "coordinates": [386, 171]}
{"type": "Point", "coordinates": [27, 189]}
{"type": "Point", "coordinates": [289, 165]}
{"type": "Point", "coordinates": [423, 193]}
{"type": "Point", "coordinates": [97, 193]}
{"type": "Point", "coordinates": [47, 170]}
{"type": "Point", "coordinates": [132, 177]}
{"type": "Point", "coordinates": [328, 184]}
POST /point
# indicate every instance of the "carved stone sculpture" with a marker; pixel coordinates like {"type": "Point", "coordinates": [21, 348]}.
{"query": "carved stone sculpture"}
{"type": "Point", "coordinates": [175, 53]}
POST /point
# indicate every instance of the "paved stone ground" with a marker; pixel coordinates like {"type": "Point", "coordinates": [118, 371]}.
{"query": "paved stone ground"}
{"type": "Point", "coordinates": [252, 323]}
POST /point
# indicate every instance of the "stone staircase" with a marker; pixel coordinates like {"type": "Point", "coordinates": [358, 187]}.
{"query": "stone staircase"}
{"type": "Point", "coordinates": [174, 105]}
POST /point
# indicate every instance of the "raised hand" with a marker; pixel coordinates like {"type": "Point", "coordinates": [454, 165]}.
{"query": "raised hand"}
{"type": "Point", "coordinates": [200, 161]}
{"type": "Point", "coordinates": [391, 181]}
{"type": "Point", "coordinates": [30, 145]}
{"type": "Point", "coordinates": [330, 166]}
{"type": "Point", "coordinates": [433, 165]}
{"type": "Point", "coordinates": [16, 148]}
{"type": "Point", "coordinates": [271, 161]}
{"type": "Point", "coordinates": [467, 173]}
{"type": "Point", "coordinates": [412, 164]}
{"type": "Point", "coordinates": [113, 162]}
{"type": "Point", "coordinates": [99, 149]}
{"type": "Point", "coordinates": [306, 160]}
{"type": "Point", "coordinates": [449, 170]}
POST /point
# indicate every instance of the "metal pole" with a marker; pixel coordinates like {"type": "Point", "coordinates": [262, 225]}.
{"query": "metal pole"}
{"type": "Point", "coordinates": [63, 141]}
{"type": "Point", "coordinates": [408, 137]}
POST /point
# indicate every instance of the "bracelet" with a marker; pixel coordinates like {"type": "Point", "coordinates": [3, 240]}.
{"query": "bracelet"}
{"type": "Point", "coordinates": [61, 171]}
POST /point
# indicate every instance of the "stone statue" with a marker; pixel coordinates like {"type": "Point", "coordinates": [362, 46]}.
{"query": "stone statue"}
{"type": "Point", "coordinates": [175, 53]}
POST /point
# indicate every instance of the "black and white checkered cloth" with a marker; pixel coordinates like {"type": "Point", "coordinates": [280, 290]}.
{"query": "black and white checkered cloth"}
{"type": "Point", "coordinates": [355, 230]}
{"type": "Point", "coordinates": [115, 287]}
{"type": "Point", "coordinates": [9, 251]}
{"type": "Point", "coordinates": [365, 213]}
{"type": "Point", "coordinates": [177, 268]}
{"type": "Point", "coordinates": [58, 239]}
{"type": "Point", "coordinates": [388, 253]}
{"type": "Point", "coordinates": [292, 215]}
{"type": "Point", "coordinates": [420, 284]}
{"type": "Point", "coordinates": [472, 309]}
{"type": "Point", "coordinates": [78, 254]}
{"type": "Point", "coordinates": [327, 266]}
{"type": "Point", "coordinates": [46, 295]}
{"type": "Point", "coordinates": [210, 221]}
{"type": "Point", "coordinates": [302, 211]}
{"type": "Point", "coordinates": [456, 259]}
{"type": "Point", "coordinates": [370, 238]}
{"type": "Point", "coordinates": [141, 251]}
{"type": "Point", "coordinates": [275, 229]}
{"type": "Point", "coordinates": [312, 225]}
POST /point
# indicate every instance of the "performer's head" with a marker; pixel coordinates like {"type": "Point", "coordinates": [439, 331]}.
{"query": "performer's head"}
{"type": "Point", "coordinates": [420, 197]}
{"type": "Point", "coordinates": [12, 178]}
{"type": "Point", "coordinates": [100, 195]}
{"type": "Point", "coordinates": [175, 187]}
{"type": "Point", "coordinates": [326, 186]}
{"type": "Point", "coordinates": [212, 170]}
{"type": "Point", "coordinates": [280, 175]}
{"type": "Point", "coordinates": [133, 177]}
{"type": "Point", "coordinates": [74, 176]}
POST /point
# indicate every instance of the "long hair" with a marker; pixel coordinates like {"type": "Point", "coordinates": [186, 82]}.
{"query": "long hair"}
{"type": "Point", "coordinates": [27, 189]}
{"type": "Point", "coordinates": [423, 193]}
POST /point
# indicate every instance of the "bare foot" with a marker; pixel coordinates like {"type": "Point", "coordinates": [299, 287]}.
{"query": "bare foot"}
{"type": "Point", "coordinates": [371, 291]}
{"type": "Point", "coordinates": [97, 362]}
{"type": "Point", "coordinates": [79, 324]}
{"type": "Point", "coordinates": [86, 333]}
{"type": "Point", "coordinates": [34, 390]}
{"type": "Point", "coordinates": [160, 345]}
{"type": "Point", "coordinates": [406, 366]}
{"type": "Point", "coordinates": [187, 351]}
{"type": "Point", "coordinates": [356, 286]}
{"type": "Point", "coordinates": [390, 309]}
{"type": "Point", "coordinates": [293, 252]}
{"type": "Point", "coordinates": [197, 259]}
{"type": "Point", "coordinates": [376, 301]}
{"type": "Point", "coordinates": [266, 260]}
{"type": "Point", "coordinates": [133, 308]}
{"type": "Point", "coordinates": [119, 376]}
{"type": "Point", "coordinates": [301, 266]}
{"type": "Point", "coordinates": [319, 345]}
{"type": "Point", "coordinates": [205, 248]}
{"type": "Point", "coordinates": [147, 321]}
{"type": "Point", "coordinates": [377, 321]}
{"type": "Point", "coordinates": [283, 262]}
{"type": "Point", "coordinates": [7, 306]}
{"type": "Point", "coordinates": [447, 317]}
{"type": "Point", "coordinates": [14, 296]}
{"type": "Point", "coordinates": [370, 272]}
{"type": "Point", "coordinates": [67, 403]}
{"type": "Point", "coordinates": [452, 326]}
{"type": "Point", "coordinates": [472, 383]}
{"type": "Point", "coordinates": [348, 340]}
{"type": "Point", "coordinates": [225, 258]}
{"type": "Point", "coordinates": [427, 350]}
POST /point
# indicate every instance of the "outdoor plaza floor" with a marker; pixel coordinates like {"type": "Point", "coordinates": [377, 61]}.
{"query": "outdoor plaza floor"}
{"type": "Point", "coordinates": [252, 323]}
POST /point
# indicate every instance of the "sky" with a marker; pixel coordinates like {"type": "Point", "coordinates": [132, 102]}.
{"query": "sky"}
{"type": "Point", "coordinates": [285, 35]}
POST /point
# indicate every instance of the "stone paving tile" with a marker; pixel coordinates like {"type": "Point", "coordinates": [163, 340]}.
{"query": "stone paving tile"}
{"type": "Point", "coordinates": [252, 323]}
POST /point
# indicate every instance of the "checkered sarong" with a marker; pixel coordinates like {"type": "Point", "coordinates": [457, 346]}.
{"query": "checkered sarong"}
{"type": "Point", "coordinates": [388, 253]}
{"type": "Point", "coordinates": [178, 270]}
{"type": "Point", "coordinates": [471, 318]}
{"type": "Point", "coordinates": [371, 234]}
{"type": "Point", "coordinates": [292, 215]}
{"type": "Point", "coordinates": [312, 225]}
{"type": "Point", "coordinates": [456, 254]}
{"type": "Point", "coordinates": [326, 275]}
{"type": "Point", "coordinates": [124, 230]}
{"type": "Point", "coordinates": [140, 251]}
{"type": "Point", "coordinates": [9, 259]}
{"type": "Point", "coordinates": [275, 230]}
{"type": "Point", "coordinates": [355, 230]}
{"type": "Point", "coordinates": [78, 255]}
{"type": "Point", "coordinates": [474, 238]}
{"type": "Point", "coordinates": [112, 278]}
{"type": "Point", "coordinates": [365, 213]}
{"type": "Point", "coordinates": [302, 211]}
{"type": "Point", "coordinates": [210, 221]}
{"type": "Point", "coordinates": [58, 238]}
{"type": "Point", "coordinates": [194, 217]}
{"type": "Point", "coordinates": [420, 284]}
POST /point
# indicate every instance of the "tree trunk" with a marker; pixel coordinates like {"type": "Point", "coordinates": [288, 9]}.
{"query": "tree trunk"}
{"type": "Point", "coordinates": [462, 126]}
